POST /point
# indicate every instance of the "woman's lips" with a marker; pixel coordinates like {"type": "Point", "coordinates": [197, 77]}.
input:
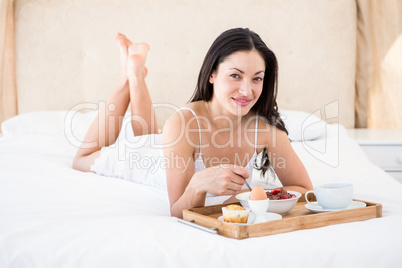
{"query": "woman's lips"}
{"type": "Point", "coordinates": [242, 101]}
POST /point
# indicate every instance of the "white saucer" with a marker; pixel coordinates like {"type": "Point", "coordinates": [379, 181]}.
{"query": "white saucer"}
{"type": "Point", "coordinates": [314, 207]}
{"type": "Point", "coordinates": [269, 216]}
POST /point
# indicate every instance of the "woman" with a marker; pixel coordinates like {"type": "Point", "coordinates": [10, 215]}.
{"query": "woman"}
{"type": "Point", "coordinates": [211, 144]}
{"type": "Point", "coordinates": [237, 87]}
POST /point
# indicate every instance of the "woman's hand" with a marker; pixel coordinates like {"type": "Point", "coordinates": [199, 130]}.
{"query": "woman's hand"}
{"type": "Point", "coordinates": [219, 180]}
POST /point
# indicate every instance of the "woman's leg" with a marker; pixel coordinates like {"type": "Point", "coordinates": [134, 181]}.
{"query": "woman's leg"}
{"type": "Point", "coordinates": [143, 118]}
{"type": "Point", "coordinates": [106, 126]}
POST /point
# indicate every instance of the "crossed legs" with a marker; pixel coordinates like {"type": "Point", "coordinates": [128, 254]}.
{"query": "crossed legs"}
{"type": "Point", "coordinates": [130, 89]}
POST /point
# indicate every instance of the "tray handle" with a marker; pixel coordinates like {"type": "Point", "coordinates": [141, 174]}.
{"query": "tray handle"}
{"type": "Point", "coordinates": [192, 224]}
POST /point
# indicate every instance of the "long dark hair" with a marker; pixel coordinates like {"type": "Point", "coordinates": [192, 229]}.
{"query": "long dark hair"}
{"type": "Point", "coordinates": [243, 39]}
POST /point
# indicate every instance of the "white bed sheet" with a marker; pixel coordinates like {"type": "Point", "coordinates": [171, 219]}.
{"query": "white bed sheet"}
{"type": "Point", "coordinates": [54, 216]}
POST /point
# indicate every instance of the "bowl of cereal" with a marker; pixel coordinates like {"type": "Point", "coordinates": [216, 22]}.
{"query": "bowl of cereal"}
{"type": "Point", "coordinates": [281, 200]}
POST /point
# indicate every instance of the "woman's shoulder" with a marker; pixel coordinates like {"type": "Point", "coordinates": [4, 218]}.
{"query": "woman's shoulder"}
{"type": "Point", "coordinates": [197, 107]}
{"type": "Point", "coordinates": [187, 112]}
{"type": "Point", "coordinates": [186, 117]}
{"type": "Point", "coordinates": [267, 132]}
{"type": "Point", "coordinates": [181, 129]}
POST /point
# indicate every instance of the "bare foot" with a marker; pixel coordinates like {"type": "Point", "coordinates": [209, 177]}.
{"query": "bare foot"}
{"type": "Point", "coordinates": [137, 55]}
{"type": "Point", "coordinates": [123, 44]}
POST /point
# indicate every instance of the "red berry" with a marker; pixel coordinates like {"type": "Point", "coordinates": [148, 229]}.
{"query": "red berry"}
{"type": "Point", "coordinates": [276, 191]}
{"type": "Point", "coordinates": [283, 196]}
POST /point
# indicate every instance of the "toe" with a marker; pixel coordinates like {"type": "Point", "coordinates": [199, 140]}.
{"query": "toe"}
{"type": "Point", "coordinates": [122, 40]}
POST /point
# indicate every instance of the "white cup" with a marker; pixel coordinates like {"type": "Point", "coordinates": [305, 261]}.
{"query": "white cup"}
{"type": "Point", "coordinates": [333, 195]}
{"type": "Point", "coordinates": [259, 208]}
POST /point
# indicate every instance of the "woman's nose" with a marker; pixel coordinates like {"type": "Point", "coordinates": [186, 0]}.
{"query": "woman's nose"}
{"type": "Point", "coordinates": [245, 88]}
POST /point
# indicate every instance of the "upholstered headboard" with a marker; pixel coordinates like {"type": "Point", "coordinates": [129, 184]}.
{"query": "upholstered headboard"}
{"type": "Point", "coordinates": [66, 53]}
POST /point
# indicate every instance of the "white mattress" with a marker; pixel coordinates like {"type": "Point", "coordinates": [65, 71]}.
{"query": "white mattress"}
{"type": "Point", "coordinates": [54, 216]}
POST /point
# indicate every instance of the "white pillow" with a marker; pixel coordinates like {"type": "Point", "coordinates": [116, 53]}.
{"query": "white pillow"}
{"type": "Point", "coordinates": [42, 122]}
{"type": "Point", "coordinates": [73, 125]}
{"type": "Point", "coordinates": [49, 123]}
{"type": "Point", "coordinates": [303, 126]}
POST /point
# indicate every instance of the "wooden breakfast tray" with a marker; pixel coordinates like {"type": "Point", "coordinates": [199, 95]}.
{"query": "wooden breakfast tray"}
{"type": "Point", "coordinates": [298, 218]}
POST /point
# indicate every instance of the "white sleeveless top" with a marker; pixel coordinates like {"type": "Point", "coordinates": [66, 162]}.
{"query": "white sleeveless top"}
{"type": "Point", "coordinates": [199, 162]}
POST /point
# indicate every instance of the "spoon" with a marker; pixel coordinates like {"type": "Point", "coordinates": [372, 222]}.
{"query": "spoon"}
{"type": "Point", "coordinates": [248, 186]}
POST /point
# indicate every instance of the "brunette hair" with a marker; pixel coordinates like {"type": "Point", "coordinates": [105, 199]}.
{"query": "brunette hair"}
{"type": "Point", "coordinates": [229, 42]}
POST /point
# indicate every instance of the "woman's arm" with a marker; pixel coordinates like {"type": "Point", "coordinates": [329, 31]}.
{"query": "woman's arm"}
{"type": "Point", "coordinates": [179, 167]}
{"type": "Point", "coordinates": [186, 189]}
{"type": "Point", "coordinates": [287, 165]}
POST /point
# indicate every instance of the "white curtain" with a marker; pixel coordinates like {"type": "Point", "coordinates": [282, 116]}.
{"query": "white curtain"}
{"type": "Point", "coordinates": [379, 64]}
{"type": "Point", "coordinates": [8, 89]}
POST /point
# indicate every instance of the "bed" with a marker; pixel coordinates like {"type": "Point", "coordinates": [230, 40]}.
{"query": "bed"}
{"type": "Point", "coordinates": [54, 216]}
{"type": "Point", "coordinates": [66, 63]}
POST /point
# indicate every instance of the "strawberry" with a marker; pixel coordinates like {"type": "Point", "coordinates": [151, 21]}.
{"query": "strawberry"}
{"type": "Point", "coordinates": [283, 196]}
{"type": "Point", "coordinates": [276, 191]}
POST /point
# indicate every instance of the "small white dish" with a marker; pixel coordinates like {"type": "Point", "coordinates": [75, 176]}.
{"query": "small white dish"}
{"type": "Point", "coordinates": [269, 216]}
{"type": "Point", "coordinates": [314, 207]}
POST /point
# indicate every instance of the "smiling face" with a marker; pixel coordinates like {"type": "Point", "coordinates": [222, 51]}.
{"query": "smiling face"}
{"type": "Point", "coordinates": [237, 83]}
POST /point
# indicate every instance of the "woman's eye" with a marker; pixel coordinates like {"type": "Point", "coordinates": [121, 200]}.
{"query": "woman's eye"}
{"type": "Point", "coordinates": [234, 76]}
{"type": "Point", "coordinates": [258, 79]}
